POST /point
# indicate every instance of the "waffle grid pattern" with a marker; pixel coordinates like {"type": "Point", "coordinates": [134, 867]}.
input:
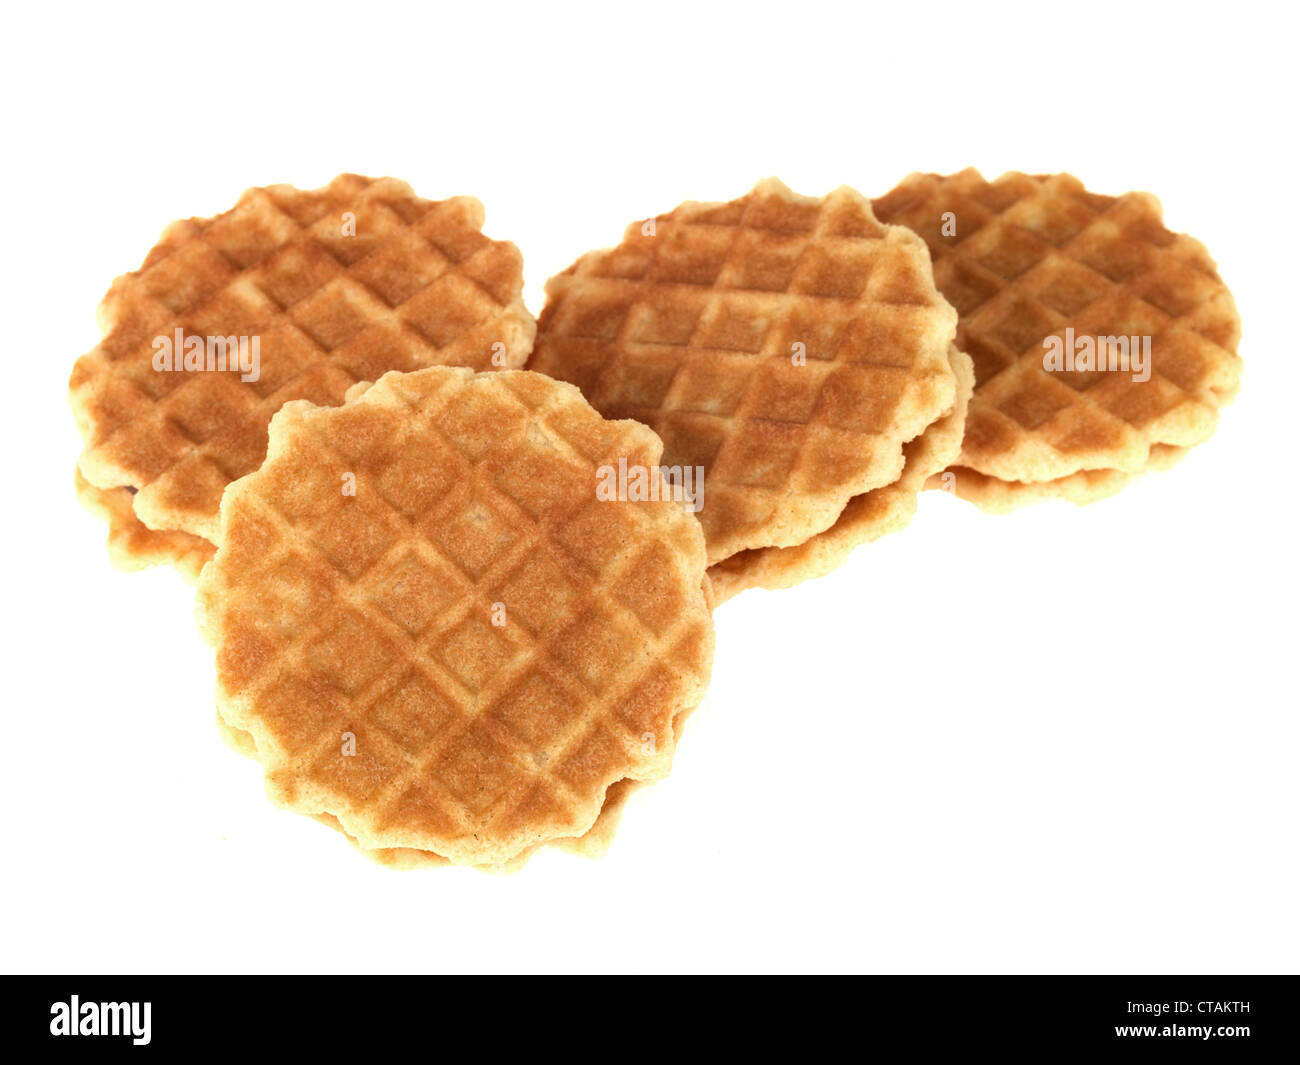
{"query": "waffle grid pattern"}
{"type": "Point", "coordinates": [1034, 255]}
{"type": "Point", "coordinates": [417, 285]}
{"type": "Point", "coordinates": [690, 330]}
{"type": "Point", "coordinates": [591, 844]}
{"type": "Point", "coordinates": [408, 614]}
{"type": "Point", "coordinates": [865, 517]}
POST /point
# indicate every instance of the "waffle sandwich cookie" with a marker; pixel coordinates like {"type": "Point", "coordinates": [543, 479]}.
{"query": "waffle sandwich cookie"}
{"type": "Point", "coordinates": [436, 635]}
{"type": "Point", "coordinates": [865, 518]}
{"type": "Point", "coordinates": [289, 295]}
{"type": "Point", "coordinates": [787, 348]}
{"type": "Point", "coordinates": [1104, 344]}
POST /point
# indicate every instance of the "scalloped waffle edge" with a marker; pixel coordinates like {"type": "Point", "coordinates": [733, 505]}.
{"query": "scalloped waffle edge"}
{"type": "Point", "coordinates": [517, 433]}
{"type": "Point", "coordinates": [335, 285]}
{"type": "Point", "coordinates": [865, 518]}
{"type": "Point", "coordinates": [693, 324]}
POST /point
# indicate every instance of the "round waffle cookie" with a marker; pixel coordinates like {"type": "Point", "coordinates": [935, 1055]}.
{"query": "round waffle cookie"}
{"type": "Point", "coordinates": [1040, 270]}
{"type": "Point", "coordinates": [787, 347]}
{"type": "Point", "coordinates": [865, 518]}
{"type": "Point", "coordinates": [436, 630]}
{"type": "Point", "coordinates": [291, 294]}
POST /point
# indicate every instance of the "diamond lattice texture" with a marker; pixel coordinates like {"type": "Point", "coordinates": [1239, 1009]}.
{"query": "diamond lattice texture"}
{"type": "Point", "coordinates": [339, 285]}
{"type": "Point", "coordinates": [591, 844]}
{"type": "Point", "coordinates": [864, 518]}
{"type": "Point", "coordinates": [376, 613]}
{"type": "Point", "coordinates": [1034, 255]}
{"type": "Point", "coordinates": [692, 325]}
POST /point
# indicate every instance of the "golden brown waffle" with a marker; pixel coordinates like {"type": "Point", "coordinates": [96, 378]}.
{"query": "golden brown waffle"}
{"type": "Point", "coordinates": [338, 285]}
{"type": "Point", "coordinates": [1033, 256]}
{"type": "Point", "coordinates": [131, 544]}
{"type": "Point", "coordinates": [591, 844]}
{"type": "Point", "coordinates": [865, 518]}
{"type": "Point", "coordinates": [788, 346]}
{"type": "Point", "coordinates": [374, 614]}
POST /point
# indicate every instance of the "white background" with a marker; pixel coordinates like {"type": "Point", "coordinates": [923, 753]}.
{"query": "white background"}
{"type": "Point", "coordinates": [1059, 741]}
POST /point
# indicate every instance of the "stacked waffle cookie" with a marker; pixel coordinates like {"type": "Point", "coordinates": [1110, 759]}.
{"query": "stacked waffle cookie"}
{"type": "Point", "coordinates": [430, 631]}
{"type": "Point", "coordinates": [462, 611]}
{"type": "Point", "coordinates": [793, 351]}
{"type": "Point", "coordinates": [1104, 344]}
